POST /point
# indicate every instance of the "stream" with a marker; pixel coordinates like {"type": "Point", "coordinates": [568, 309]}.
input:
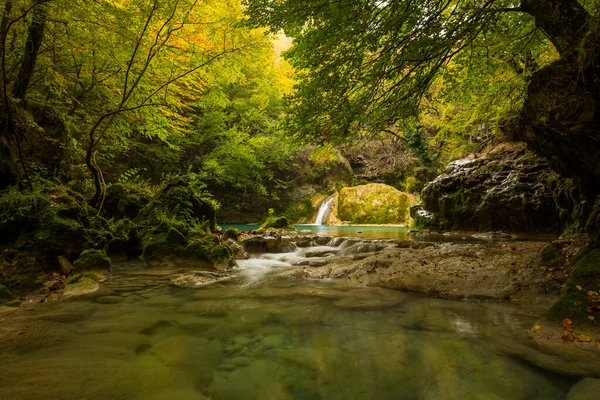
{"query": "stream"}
{"type": "Point", "coordinates": [263, 336]}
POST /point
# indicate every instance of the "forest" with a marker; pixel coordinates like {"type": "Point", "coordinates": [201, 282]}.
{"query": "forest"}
{"type": "Point", "coordinates": [201, 135]}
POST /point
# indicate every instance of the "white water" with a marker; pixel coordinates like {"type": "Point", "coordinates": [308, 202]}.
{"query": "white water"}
{"type": "Point", "coordinates": [324, 211]}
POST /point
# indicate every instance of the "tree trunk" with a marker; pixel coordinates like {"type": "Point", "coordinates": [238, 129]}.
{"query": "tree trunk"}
{"type": "Point", "coordinates": [32, 49]}
{"type": "Point", "coordinates": [561, 116]}
{"type": "Point", "coordinates": [564, 21]}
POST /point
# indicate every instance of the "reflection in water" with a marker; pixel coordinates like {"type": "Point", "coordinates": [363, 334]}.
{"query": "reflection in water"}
{"type": "Point", "coordinates": [271, 339]}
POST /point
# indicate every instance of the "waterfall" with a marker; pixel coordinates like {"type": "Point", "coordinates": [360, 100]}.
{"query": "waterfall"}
{"type": "Point", "coordinates": [324, 211]}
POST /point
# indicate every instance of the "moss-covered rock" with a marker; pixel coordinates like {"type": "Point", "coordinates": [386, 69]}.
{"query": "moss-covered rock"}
{"type": "Point", "coordinates": [581, 297]}
{"type": "Point", "coordinates": [5, 294]}
{"type": "Point", "coordinates": [231, 233]}
{"type": "Point", "coordinates": [92, 260]}
{"type": "Point", "coordinates": [374, 203]}
{"type": "Point", "coordinates": [82, 287]}
{"type": "Point", "coordinates": [181, 202]}
{"type": "Point", "coordinates": [275, 222]}
{"type": "Point", "coordinates": [96, 276]}
{"type": "Point", "coordinates": [162, 243]}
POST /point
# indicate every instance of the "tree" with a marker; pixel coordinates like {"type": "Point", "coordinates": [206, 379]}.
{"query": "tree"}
{"type": "Point", "coordinates": [367, 65]}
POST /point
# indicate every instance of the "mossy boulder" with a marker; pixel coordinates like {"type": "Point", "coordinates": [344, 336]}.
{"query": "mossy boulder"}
{"type": "Point", "coordinates": [124, 201]}
{"type": "Point", "coordinates": [5, 294]}
{"type": "Point", "coordinates": [374, 203]}
{"type": "Point", "coordinates": [92, 260]}
{"type": "Point", "coordinates": [231, 233]}
{"type": "Point", "coordinates": [581, 297]}
{"type": "Point", "coordinates": [82, 287]}
{"type": "Point", "coordinates": [275, 222]}
{"type": "Point", "coordinates": [162, 243]}
{"type": "Point", "coordinates": [508, 188]}
{"type": "Point", "coordinates": [182, 202]}
{"type": "Point", "coordinates": [96, 276]}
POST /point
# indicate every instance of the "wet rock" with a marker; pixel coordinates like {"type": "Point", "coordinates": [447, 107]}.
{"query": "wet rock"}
{"type": "Point", "coordinates": [487, 270]}
{"type": "Point", "coordinates": [268, 244]}
{"type": "Point", "coordinates": [321, 253]}
{"type": "Point", "coordinates": [311, 263]}
{"type": "Point", "coordinates": [83, 287]}
{"type": "Point", "coordinates": [508, 189]}
{"type": "Point", "coordinates": [195, 279]}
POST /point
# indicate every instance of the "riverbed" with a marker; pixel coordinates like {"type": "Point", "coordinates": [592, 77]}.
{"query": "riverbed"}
{"type": "Point", "coordinates": [261, 335]}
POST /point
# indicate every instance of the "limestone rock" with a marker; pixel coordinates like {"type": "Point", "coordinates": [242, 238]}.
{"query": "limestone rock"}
{"type": "Point", "coordinates": [374, 203]}
{"type": "Point", "coordinates": [506, 189]}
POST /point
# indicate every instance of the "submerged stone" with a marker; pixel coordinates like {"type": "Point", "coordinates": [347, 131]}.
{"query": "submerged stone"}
{"type": "Point", "coordinates": [83, 287]}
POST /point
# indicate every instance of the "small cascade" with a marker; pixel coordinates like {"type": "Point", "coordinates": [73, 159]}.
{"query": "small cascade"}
{"type": "Point", "coordinates": [324, 211]}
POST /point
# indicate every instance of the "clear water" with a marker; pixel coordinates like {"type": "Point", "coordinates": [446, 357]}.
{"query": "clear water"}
{"type": "Point", "coordinates": [368, 232]}
{"type": "Point", "coordinates": [263, 337]}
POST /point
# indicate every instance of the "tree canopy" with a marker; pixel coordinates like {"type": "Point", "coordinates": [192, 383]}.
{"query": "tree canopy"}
{"type": "Point", "coordinates": [370, 65]}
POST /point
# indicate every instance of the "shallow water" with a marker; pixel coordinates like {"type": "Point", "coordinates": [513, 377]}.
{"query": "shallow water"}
{"type": "Point", "coordinates": [262, 337]}
{"type": "Point", "coordinates": [370, 232]}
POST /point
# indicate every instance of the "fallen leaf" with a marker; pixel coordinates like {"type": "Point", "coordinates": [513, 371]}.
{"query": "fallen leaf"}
{"type": "Point", "coordinates": [537, 327]}
{"type": "Point", "coordinates": [579, 287]}
{"type": "Point", "coordinates": [584, 338]}
{"type": "Point", "coordinates": [567, 322]}
{"type": "Point", "coordinates": [591, 317]}
{"type": "Point", "coordinates": [567, 337]}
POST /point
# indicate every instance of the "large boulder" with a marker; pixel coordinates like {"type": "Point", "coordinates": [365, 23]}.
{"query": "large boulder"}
{"type": "Point", "coordinates": [509, 188]}
{"type": "Point", "coordinates": [374, 203]}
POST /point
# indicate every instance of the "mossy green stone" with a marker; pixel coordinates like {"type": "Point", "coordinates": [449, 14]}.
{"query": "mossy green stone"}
{"type": "Point", "coordinates": [92, 259]}
{"type": "Point", "coordinates": [374, 203]}
{"type": "Point", "coordinates": [274, 222]}
{"type": "Point", "coordinates": [81, 287]}
{"type": "Point", "coordinates": [575, 301]}
{"type": "Point", "coordinates": [221, 254]}
{"type": "Point", "coordinates": [93, 275]}
{"type": "Point", "coordinates": [231, 233]}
